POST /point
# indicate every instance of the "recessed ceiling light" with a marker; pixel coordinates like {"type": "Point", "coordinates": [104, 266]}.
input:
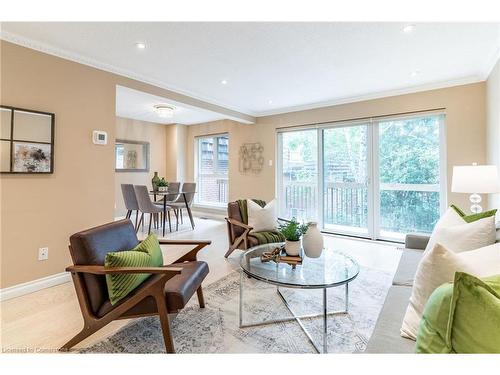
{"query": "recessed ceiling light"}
{"type": "Point", "coordinates": [270, 102]}
{"type": "Point", "coordinates": [164, 110]}
{"type": "Point", "coordinates": [140, 45]}
{"type": "Point", "coordinates": [415, 73]}
{"type": "Point", "coordinates": [408, 28]}
{"type": "Point", "coordinates": [224, 82]}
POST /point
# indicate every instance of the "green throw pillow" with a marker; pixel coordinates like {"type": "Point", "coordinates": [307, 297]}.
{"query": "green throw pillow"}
{"type": "Point", "coordinates": [431, 336]}
{"type": "Point", "coordinates": [435, 328]}
{"type": "Point", "coordinates": [473, 217]}
{"type": "Point", "coordinates": [474, 323]}
{"type": "Point", "coordinates": [145, 254]}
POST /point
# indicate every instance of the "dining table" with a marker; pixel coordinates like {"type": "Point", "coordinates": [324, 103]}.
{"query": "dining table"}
{"type": "Point", "coordinates": [165, 195]}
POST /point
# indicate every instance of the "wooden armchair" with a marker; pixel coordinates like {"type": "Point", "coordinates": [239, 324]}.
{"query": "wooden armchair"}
{"type": "Point", "coordinates": [239, 232]}
{"type": "Point", "coordinates": [166, 291]}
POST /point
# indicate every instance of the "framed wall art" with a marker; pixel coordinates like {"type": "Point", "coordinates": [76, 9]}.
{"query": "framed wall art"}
{"type": "Point", "coordinates": [26, 141]}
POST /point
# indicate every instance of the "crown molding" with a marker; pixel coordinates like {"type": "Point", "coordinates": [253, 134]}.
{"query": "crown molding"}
{"type": "Point", "coordinates": [75, 57]}
{"type": "Point", "coordinates": [372, 96]}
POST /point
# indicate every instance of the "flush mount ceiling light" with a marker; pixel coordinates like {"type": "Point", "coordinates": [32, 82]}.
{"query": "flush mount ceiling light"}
{"type": "Point", "coordinates": [408, 28]}
{"type": "Point", "coordinates": [224, 82]}
{"type": "Point", "coordinates": [140, 45]}
{"type": "Point", "coordinates": [164, 110]}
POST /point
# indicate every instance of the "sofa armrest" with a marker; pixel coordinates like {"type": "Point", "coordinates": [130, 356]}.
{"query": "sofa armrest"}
{"type": "Point", "coordinates": [416, 241]}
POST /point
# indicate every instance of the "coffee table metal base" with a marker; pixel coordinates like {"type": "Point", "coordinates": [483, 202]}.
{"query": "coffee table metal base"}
{"type": "Point", "coordinates": [296, 317]}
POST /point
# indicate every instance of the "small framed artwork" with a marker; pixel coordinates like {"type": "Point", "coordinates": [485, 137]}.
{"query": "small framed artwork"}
{"type": "Point", "coordinates": [26, 141]}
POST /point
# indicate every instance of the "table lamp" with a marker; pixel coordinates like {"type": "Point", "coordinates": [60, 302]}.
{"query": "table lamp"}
{"type": "Point", "coordinates": [475, 179]}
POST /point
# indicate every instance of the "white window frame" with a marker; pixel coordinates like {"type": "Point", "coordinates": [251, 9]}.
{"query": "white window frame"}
{"type": "Point", "coordinates": [197, 160]}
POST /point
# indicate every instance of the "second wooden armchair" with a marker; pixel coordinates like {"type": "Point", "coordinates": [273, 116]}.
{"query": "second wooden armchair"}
{"type": "Point", "coordinates": [240, 234]}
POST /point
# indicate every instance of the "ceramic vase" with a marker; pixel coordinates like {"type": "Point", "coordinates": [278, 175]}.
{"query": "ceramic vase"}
{"type": "Point", "coordinates": [312, 241]}
{"type": "Point", "coordinates": [292, 248]}
{"type": "Point", "coordinates": [154, 181]}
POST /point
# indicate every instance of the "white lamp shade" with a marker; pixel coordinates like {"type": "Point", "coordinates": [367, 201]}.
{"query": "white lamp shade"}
{"type": "Point", "coordinates": [481, 179]}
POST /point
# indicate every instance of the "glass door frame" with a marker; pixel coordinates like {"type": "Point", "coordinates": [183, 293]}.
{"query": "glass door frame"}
{"type": "Point", "coordinates": [443, 178]}
{"type": "Point", "coordinates": [372, 161]}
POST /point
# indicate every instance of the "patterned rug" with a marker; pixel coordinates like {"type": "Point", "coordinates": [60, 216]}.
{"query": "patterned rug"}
{"type": "Point", "coordinates": [215, 329]}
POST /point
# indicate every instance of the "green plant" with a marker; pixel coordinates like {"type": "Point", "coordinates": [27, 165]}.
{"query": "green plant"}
{"type": "Point", "coordinates": [162, 182]}
{"type": "Point", "coordinates": [292, 230]}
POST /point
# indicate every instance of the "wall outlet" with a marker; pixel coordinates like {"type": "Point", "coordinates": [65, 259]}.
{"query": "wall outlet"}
{"type": "Point", "coordinates": [43, 253]}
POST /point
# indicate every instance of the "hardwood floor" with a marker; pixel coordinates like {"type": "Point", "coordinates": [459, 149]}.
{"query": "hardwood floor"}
{"type": "Point", "coordinates": [45, 320]}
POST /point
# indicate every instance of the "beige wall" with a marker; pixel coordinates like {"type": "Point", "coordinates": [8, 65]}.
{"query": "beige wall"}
{"type": "Point", "coordinates": [158, 136]}
{"type": "Point", "coordinates": [493, 128]}
{"type": "Point", "coordinates": [43, 210]}
{"type": "Point", "coordinates": [465, 132]}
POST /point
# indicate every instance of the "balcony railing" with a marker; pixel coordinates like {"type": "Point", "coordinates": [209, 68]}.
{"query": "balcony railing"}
{"type": "Point", "coordinates": [403, 207]}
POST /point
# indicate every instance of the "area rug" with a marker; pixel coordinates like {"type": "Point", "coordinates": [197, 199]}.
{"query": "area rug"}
{"type": "Point", "coordinates": [215, 329]}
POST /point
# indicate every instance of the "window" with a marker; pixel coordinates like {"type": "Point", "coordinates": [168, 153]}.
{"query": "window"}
{"type": "Point", "coordinates": [380, 178]}
{"type": "Point", "coordinates": [212, 165]}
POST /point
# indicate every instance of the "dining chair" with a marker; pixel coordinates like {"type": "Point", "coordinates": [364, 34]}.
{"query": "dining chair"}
{"type": "Point", "coordinates": [189, 188]}
{"type": "Point", "coordinates": [130, 201]}
{"type": "Point", "coordinates": [146, 206]}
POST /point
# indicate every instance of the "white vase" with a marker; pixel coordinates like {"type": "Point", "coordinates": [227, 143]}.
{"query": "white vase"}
{"type": "Point", "coordinates": [312, 241]}
{"type": "Point", "coordinates": [292, 248]}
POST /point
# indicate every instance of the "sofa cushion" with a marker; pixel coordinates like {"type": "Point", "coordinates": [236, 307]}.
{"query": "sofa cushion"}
{"type": "Point", "coordinates": [405, 274]}
{"type": "Point", "coordinates": [386, 337]}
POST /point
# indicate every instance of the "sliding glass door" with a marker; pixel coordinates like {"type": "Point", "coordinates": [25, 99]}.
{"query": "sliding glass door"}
{"type": "Point", "coordinates": [380, 178]}
{"type": "Point", "coordinates": [298, 181]}
{"type": "Point", "coordinates": [345, 179]}
{"type": "Point", "coordinates": [409, 170]}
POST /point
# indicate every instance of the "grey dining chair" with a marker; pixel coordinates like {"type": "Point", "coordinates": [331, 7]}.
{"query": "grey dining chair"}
{"type": "Point", "coordinates": [130, 201]}
{"type": "Point", "coordinates": [189, 188]}
{"type": "Point", "coordinates": [146, 206]}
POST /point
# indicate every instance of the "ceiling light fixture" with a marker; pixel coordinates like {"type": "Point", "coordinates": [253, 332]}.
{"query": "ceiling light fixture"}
{"type": "Point", "coordinates": [270, 101]}
{"type": "Point", "coordinates": [224, 82]}
{"type": "Point", "coordinates": [408, 28]}
{"type": "Point", "coordinates": [164, 110]}
{"type": "Point", "coordinates": [140, 45]}
{"type": "Point", "coordinates": [415, 73]}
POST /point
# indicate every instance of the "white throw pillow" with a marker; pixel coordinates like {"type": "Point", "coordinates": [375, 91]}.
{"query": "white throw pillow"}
{"type": "Point", "coordinates": [262, 219]}
{"type": "Point", "coordinates": [438, 266]}
{"type": "Point", "coordinates": [456, 234]}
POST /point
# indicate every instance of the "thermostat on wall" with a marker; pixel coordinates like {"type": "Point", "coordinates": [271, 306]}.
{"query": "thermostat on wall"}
{"type": "Point", "coordinates": [100, 137]}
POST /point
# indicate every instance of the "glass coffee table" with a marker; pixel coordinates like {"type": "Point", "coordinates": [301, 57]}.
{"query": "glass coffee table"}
{"type": "Point", "coordinates": [330, 270]}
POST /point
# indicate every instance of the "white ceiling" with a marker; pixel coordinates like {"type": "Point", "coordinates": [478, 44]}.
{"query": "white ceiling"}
{"type": "Point", "coordinates": [275, 67]}
{"type": "Point", "coordinates": [139, 105]}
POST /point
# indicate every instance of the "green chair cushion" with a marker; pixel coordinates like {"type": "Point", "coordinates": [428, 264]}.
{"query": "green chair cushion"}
{"type": "Point", "coordinates": [145, 254]}
{"type": "Point", "coordinates": [268, 237]}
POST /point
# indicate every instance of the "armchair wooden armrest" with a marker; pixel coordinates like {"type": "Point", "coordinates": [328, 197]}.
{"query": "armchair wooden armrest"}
{"type": "Point", "coordinates": [283, 219]}
{"type": "Point", "coordinates": [101, 270]}
{"type": "Point", "coordinates": [192, 254]}
{"type": "Point", "coordinates": [238, 223]}
{"type": "Point", "coordinates": [184, 242]}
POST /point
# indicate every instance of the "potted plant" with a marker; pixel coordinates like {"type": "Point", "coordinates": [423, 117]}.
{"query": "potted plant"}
{"type": "Point", "coordinates": [292, 231]}
{"type": "Point", "coordinates": [162, 184]}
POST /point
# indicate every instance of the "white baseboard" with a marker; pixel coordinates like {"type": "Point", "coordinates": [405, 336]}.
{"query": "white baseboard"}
{"type": "Point", "coordinates": [33, 286]}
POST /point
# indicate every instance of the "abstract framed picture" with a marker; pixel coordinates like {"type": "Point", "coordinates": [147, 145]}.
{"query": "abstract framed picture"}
{"type": "Point", "coordinates": [31, 157]}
